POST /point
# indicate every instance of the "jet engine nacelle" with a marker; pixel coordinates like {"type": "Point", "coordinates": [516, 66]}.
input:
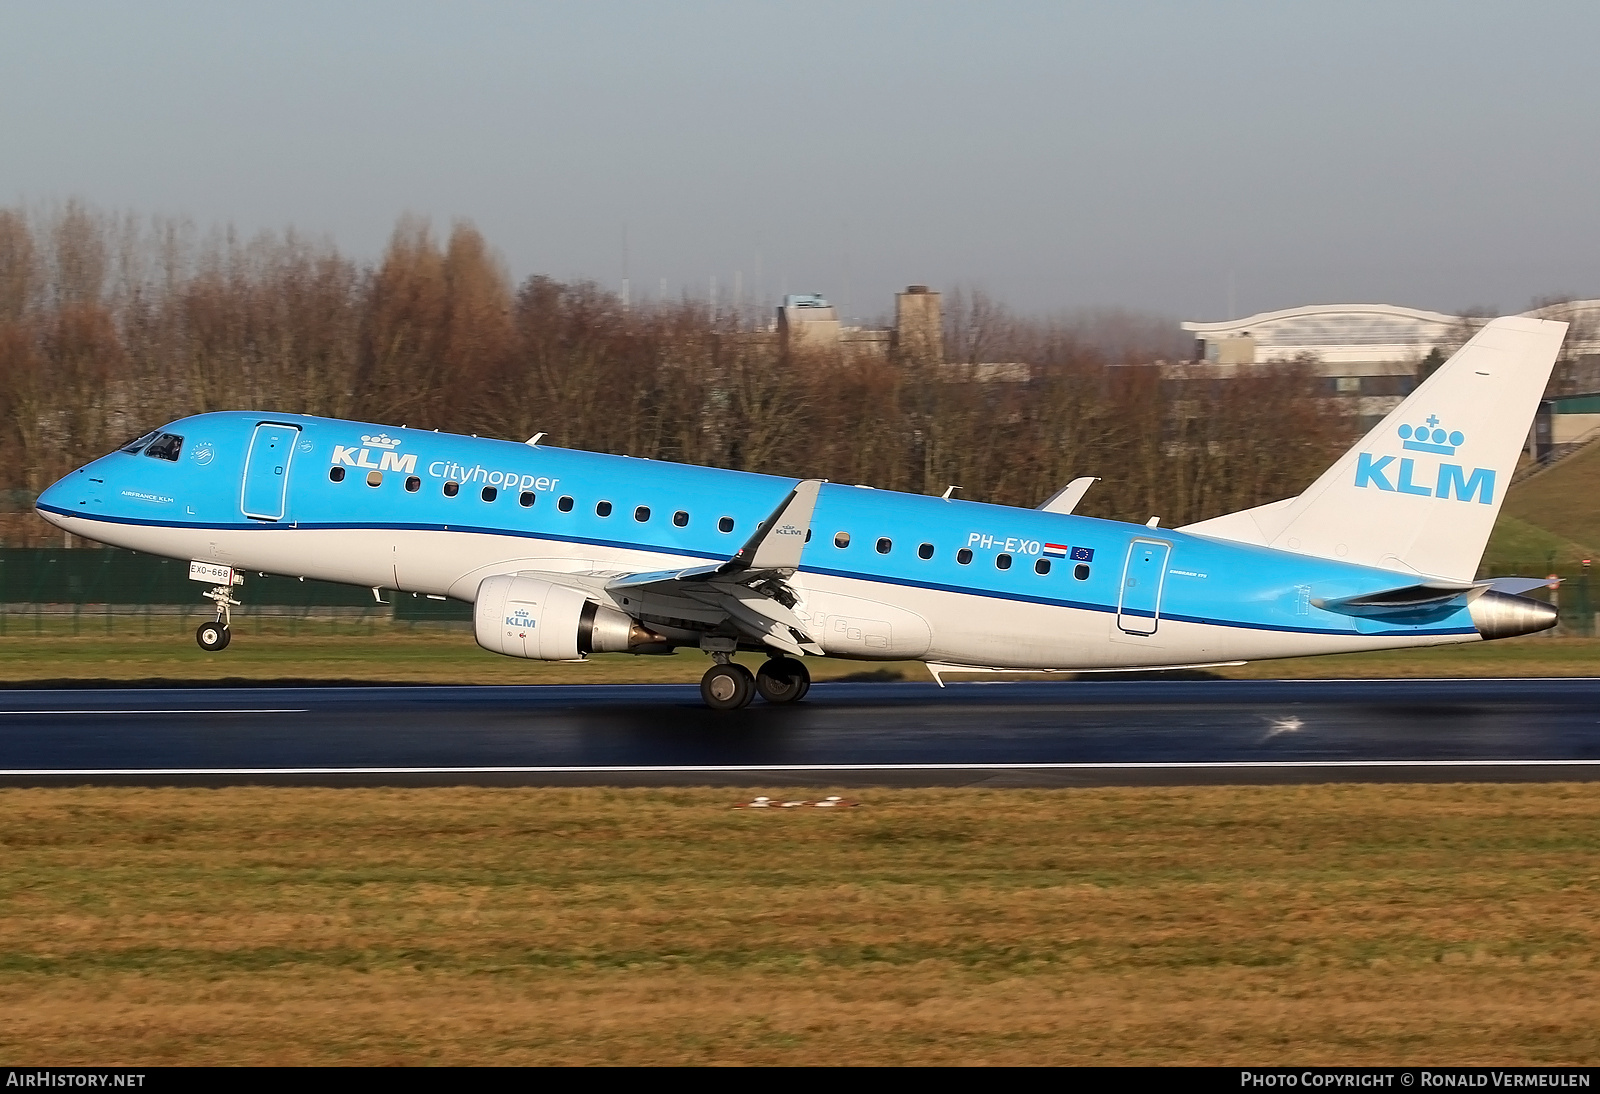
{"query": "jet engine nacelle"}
{"type": "Point", "coordinates": [530, 617]}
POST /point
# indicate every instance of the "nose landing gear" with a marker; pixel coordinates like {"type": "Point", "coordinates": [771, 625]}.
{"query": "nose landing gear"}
{"type": "Point", "coordinates": [215, 634]}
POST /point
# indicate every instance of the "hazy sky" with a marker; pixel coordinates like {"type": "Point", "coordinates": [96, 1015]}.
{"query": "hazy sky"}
{"type": "Point", "coordinates": [1057, 155]}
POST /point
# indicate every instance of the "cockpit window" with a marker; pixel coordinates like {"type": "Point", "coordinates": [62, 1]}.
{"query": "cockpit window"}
{"type": "Point", "coordinates": [165, 447]}
{"type": "Point", "coordinates": [139, 442]}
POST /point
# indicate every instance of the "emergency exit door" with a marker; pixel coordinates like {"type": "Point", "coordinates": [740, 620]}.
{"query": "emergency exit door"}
{"type": "Point", "coordinates": [266, 471]}
{"type": "Point", "coordinates": [1139, 606]}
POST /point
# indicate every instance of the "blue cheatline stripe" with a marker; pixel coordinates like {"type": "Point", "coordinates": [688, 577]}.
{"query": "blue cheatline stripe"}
{"type": "Point", "coordinates": [339, 526]}
{"type": "Point", "coordinates": [996, 594]}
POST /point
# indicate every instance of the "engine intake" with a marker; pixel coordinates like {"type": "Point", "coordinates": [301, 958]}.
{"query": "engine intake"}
{"type": "Point", "coordinates": [530, 617]}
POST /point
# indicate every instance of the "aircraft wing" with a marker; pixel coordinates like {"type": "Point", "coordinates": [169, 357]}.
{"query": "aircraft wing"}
{"type": "Point", "coordinates": [749, 594]}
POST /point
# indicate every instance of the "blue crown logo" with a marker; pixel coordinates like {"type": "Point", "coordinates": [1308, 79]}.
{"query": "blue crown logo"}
{"type": "Point", "coordinates": [1431, 438]}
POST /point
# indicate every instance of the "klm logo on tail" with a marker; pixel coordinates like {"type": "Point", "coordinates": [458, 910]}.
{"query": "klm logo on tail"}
{"type": "Point", "coordinates": [1450, 479]}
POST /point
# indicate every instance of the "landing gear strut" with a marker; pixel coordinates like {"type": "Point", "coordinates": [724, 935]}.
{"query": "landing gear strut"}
{"type": "Point", "coordinates": [783, 680]}
{"type": "Point", "coordinates": [217, 633]}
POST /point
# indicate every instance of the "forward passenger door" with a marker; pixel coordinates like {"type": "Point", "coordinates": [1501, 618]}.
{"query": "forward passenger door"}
{"type": "Point", "coordinates": [266, 471]}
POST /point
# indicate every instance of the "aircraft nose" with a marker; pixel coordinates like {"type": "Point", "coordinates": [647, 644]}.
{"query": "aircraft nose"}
{"type": "Point", "coordinates": [50, 499]}
{"type": "Point", "coordinates": [53, 497]}
{"type": "Point", "coordinates": [68, 495]}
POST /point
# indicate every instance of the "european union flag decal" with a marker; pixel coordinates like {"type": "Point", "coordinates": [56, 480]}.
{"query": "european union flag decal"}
{"type": "Point", "coordinates": [1083, 554]}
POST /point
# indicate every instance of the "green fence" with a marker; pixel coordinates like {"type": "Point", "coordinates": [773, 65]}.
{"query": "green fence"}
{"type": "Point", "coordinates": [112, 589]}
{"type": "Point", "coordinates": [1576, 606]}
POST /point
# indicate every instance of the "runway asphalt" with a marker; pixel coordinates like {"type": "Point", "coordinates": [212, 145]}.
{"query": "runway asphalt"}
{"type": "Point", "coordinates": [913, 734]}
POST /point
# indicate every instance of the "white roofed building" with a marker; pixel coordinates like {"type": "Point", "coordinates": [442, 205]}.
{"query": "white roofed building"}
{"type": "Point", "coordinates": [1376, 352]}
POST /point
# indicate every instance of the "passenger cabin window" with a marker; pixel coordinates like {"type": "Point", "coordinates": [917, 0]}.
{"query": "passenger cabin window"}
{"type": "Point", "coordinates": [841, 540]}
{"type": "Point", "coordinates": [642, 514]}
{"type": "Point", "coordinates": [925, 551]}
{"type": "Point", "coordinates": [413, 484]}
{"type": "Point", "coordinates": [680, 519]}
{"type": "Point", "coordinates": [1042, 566]}
{"type": "Point", "coordinates": [1081, 571]}
{"type": "Point", "coordinates": [963, 556]}
{"type": "Point", "coordinates": [1002, 562]}
{"type": "Point", "coordinates": [165, 447]}
{"type": "Point", "coordinates": [374, 478]}
{"type": "Point", "coordinates": [336, 474]}
{"type": "Point", "coordinates": [725, 524]}
{"type": "Point", "coordinates": [885, 545]}
{"type": "Point", "coordinates": [451, 489]}
{"type": "Point", "coordinates": [490, 493]}
{"type": "Point", "coordinates": [526, 500]}
{"type": "Point", "coordinates": [564, 504]}
{"type": "Point", "coordinates": [139, 442]}
{"type": "Point", "coordinates": [602, 509]}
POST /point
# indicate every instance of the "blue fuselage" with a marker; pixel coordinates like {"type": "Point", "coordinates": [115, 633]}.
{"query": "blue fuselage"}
{"type": "Point", "coordinates": [426, 512]}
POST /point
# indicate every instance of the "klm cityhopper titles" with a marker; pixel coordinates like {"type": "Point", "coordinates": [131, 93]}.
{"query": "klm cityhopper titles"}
{"type": "Point", "coordinates": [566, 553]}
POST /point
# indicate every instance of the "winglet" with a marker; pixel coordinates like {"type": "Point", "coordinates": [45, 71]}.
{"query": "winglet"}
{"type": "Point", "coordinates": [781, 537]}
{"type": "Point", "coordinates": [1067, 498]}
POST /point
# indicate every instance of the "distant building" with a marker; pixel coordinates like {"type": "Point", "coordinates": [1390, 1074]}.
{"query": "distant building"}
{"type": "Point", "coordinates": [807, 322]}
{"type": "Point", "coordinates": [918, 325]}
{"type": "Point", "coordinates": [1378, 353]}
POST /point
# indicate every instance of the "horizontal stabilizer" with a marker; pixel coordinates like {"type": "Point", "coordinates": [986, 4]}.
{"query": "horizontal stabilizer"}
{"type": "Point", "coordinates": [1427, 596]}
{"type": "Point", "coordinates": [1516, 586]}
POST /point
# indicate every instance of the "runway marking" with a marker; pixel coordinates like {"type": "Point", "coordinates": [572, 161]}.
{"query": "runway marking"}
{"type": "Point", "coordinates": [691, 769]}
{"type": "Point", "coordinates": [243, 710]}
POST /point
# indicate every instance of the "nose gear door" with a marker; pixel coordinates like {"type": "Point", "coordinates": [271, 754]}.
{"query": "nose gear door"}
{"type": "Point", "coordinates": [1139, 602]}
{"type": "Point", "coordinates": [266, 471]}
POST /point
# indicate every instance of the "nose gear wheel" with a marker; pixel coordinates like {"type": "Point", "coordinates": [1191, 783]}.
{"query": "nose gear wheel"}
{"type": "Point", "coordinates": [213, 636]}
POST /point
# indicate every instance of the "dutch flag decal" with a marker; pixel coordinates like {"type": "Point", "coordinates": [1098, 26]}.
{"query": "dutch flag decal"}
{"type": "Point", "coordinates": [1056, 550]}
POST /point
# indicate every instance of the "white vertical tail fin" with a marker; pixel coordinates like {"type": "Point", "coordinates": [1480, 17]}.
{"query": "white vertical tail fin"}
{"type": "Point", "coordinates": [1420, 493]}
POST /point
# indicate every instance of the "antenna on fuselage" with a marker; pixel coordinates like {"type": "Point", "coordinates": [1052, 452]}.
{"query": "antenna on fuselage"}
{"type": "Point", "coordinates": [948, 491]}
{"type": "Point", "coordinates": [534, 440]}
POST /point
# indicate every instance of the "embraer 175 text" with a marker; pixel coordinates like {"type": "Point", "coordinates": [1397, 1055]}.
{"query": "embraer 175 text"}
{"type": "Point", "coordinates": [567, 553]}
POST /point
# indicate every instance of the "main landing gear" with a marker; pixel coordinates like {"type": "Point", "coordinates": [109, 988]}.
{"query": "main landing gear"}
{"type": "Point", "coordinates": [728, 685]}
{"type": "Point", "coordinates": [215, 634]}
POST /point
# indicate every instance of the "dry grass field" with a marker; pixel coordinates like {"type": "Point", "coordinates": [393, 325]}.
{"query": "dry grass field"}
{"type": "Point", "coordinates": [1348, 924]}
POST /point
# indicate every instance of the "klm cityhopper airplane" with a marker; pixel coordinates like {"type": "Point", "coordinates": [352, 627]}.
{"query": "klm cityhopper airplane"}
{"type": "Point", "coordinates": [567, 553]}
